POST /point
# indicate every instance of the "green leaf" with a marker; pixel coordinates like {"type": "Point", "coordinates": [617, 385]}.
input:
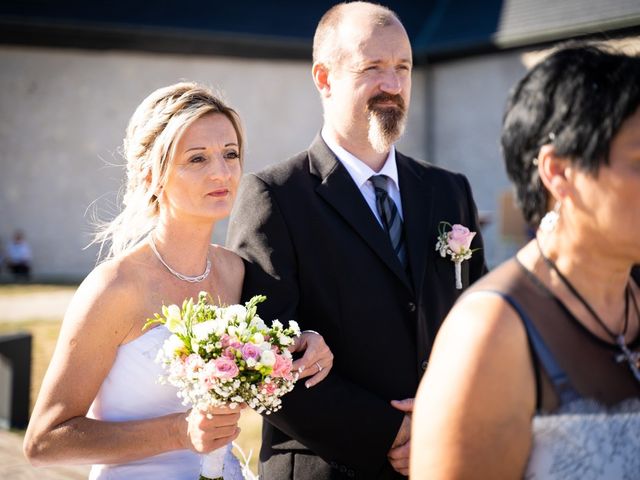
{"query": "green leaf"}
{"type": "Point", "coordinates": [151, 321]}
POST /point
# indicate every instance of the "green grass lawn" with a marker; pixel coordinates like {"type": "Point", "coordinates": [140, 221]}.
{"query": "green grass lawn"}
{"type": "Point", "coordinates": [45, 333]}
{"type": "Point", "coordinates": [14, 289]}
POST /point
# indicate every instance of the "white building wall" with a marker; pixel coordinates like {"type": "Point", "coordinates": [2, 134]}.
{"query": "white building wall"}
{"type": "Point", "coordinates": [466, 102]}
{"type": "Point", "coordinates": [63, 114]}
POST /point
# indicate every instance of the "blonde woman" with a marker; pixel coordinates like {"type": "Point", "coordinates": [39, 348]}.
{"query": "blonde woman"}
{"type": "Point", "coordinates": [100, 402]}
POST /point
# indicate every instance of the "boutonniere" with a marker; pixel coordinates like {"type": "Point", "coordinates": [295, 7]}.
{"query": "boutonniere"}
{"type": "Point", "coordinates": [455, 240]}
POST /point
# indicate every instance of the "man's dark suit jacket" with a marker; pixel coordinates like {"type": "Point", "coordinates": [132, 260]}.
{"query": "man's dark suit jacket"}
{"type": "Point", "coordinates": [315, 249]}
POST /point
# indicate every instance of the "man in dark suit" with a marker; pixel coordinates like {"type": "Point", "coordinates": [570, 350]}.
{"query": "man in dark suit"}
{"type": "Point", "coordinates": [342, 238]}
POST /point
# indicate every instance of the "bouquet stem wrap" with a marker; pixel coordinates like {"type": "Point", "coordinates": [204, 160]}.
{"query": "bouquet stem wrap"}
{"type": "Point", "coordinates": [212, 464]}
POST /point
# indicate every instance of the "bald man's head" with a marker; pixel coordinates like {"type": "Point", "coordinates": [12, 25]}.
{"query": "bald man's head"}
{"type": "Point", "coordinates": [327, 45]}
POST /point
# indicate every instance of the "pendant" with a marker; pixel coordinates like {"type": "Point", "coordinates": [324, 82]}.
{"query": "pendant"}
{"type": "Point", "coordinates": [632, 358]}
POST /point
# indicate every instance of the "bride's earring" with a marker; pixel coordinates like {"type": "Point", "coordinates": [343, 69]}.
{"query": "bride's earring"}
{"type": "Point", "coordinates": [550, 220]}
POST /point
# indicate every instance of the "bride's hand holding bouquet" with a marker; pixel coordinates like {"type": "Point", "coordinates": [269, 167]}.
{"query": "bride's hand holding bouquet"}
{"type": "Point", "coordinates": [220, 358]}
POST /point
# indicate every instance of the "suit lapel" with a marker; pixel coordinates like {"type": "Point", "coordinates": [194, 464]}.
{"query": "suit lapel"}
{"type": "Point", "coordinates": [338, 190]}
{"type": "Point", "coordinates": [417, 210]}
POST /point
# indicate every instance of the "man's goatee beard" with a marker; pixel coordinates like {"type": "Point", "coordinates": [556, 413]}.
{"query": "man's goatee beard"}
{"type": "Point", "coordinates": [385, 128]}
{"type": "Point", "coordinates": [386, 123]}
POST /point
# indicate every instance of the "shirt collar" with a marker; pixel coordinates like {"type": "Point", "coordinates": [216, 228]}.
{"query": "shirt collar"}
{"type": "Point", "coordinates": [360, 171]}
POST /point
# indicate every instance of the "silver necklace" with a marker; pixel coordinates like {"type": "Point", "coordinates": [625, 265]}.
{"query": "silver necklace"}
{"type": "Point", "coordinates": [185, 278]}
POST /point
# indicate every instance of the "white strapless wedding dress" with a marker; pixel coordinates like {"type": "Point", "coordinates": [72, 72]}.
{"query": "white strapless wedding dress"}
{"type": "Point", "coordinates": [131, 391]}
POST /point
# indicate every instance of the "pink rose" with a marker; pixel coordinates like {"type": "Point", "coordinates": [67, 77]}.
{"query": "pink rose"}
{"type": "Point", "coordinates": [193, 362]}
{"type": "Point", "coordinates": [249, 350]}
{"type": "Point", "coordinates": [460, 238]}
{"type": "Point", "coordinates": [282, 367]}
{"type": "Point", "coordinates": [208, 375]}
{"type": "Point", "coordinates": [229, 352]}
{"type": "Point", "coordinates": [225, 339]}
{"type": "Point", "coordinates": [226, 368]}
{"type": "Point", "coordinates": [269, 388]}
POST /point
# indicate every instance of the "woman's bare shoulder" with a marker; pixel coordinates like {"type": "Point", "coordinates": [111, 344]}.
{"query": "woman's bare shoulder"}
{"type": "Point", "coordinates": [229, 261]}
{"type": "Point", "coordinates": [486, 317]}
{"type": "Point", "coordinates": [112, 292]}
{"type": "Point", "coordinates": [227, 255]}
{"type": "Point", "coordinates": [229, 275]}
{"type": "Point", "coordinates": [486, 341]}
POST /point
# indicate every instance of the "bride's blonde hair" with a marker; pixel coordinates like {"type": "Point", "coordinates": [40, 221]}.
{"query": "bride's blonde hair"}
{"type": "Point", "coordinates": [149, 144]}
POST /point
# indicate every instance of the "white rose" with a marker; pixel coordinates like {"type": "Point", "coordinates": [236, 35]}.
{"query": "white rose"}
{"type": "Point", "coordinates": [202, 330]}
{"type": "Point", "coordinates": [172, 346]}
{"type": "Point", "coordinates": [258, 338]}
{"type": "Point", "coordinates": [220, 326]}
{"type": "Point", "coordinates": [235, 311]}
{"type": "Point", "coordinates": [268, 358]}
{"type": "Point", "coordinates": [258, 323]}
{"type": "Point", "coordinates": [241, 329]}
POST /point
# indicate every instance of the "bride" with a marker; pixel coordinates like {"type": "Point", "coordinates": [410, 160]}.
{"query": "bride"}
{"type": "Point", "coordinates": [100, 402]}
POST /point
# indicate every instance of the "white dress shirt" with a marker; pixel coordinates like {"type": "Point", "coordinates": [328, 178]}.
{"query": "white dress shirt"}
{"type": "Point", "coordinates": [360, 173]}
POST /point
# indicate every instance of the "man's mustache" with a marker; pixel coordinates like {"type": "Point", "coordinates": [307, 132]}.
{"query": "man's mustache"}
{"type": "Point", "coordinates": [385, 97]}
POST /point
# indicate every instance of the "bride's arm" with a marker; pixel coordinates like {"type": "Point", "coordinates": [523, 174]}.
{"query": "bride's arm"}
{"type": "Point", "coordinates": [98, 319]}
{"type": "Point", "coordinates": [316, 360]}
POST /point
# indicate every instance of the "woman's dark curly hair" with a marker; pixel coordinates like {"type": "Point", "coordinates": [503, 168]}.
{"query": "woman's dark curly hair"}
{"type": "Point", "coordinates": [576, 99]}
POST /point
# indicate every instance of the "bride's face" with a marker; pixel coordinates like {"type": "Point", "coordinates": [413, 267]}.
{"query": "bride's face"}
{"type": "Point", "coordinates": [203, 175]}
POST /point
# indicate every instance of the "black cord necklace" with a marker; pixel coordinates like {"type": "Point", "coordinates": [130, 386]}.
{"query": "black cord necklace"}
{"type": "Point", "coordinates": [632, 358]}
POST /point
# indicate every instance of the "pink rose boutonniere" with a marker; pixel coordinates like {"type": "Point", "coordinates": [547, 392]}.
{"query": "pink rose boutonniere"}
{"type": "Point", "coordinates": [456, 243]}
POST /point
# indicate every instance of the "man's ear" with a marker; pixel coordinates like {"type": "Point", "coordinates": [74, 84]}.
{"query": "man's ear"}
{"type": "Point", "coordinates": [320, 73]}
{"type": "Point", "coordinates": [553, 171]}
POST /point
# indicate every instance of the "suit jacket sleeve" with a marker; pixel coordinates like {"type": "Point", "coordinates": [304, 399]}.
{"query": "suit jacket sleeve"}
{"type": "Point", "coordinates": [338, 420]}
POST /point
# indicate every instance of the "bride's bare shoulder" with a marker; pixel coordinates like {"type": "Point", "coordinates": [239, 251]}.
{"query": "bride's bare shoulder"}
{"type": "Point", "coordinates": [113, 289]}
{"type": "Point", "coordinates": [229, 262]}
{"type": "Point", "coordinates": [229, 269]}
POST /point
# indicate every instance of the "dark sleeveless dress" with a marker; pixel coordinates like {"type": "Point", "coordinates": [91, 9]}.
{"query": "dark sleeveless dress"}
{"type": "Point", "coordinates": [587, 424]}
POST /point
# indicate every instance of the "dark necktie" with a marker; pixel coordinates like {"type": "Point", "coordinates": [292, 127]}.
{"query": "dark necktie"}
{"type": "Point", "coordinates": [390, 217]}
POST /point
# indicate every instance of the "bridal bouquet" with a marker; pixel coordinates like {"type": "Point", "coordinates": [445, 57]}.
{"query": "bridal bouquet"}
{"type": "Point", "coordinates": [222, 356]}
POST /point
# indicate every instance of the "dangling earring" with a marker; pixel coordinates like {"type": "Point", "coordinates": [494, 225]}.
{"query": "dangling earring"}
{"type": "Point", "coordinates": [550, 219]}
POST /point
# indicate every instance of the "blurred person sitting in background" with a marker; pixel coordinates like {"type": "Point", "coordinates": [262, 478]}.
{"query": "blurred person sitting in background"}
{"type": "Point", "coordinates": [19, 257]}
{"type": "Point", "coordinates": [535, 372]}
{"type": "Point", "coordinates": [2, 255]}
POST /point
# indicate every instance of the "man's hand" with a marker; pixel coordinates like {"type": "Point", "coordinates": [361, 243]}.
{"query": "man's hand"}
{"type": "Point", "coordinates": [401, 448]}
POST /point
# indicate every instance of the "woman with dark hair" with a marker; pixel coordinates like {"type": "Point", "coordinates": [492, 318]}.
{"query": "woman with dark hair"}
{"type": "Point", "coordinates": [536, 371]}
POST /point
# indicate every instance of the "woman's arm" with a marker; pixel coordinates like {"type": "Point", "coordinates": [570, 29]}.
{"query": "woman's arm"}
{"type": "Point", "coordinates": [103, 311]}
{"type": "Point", "coordinates": [473, 411]}
{"type": "Point", "coordinates": [317, 359]}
